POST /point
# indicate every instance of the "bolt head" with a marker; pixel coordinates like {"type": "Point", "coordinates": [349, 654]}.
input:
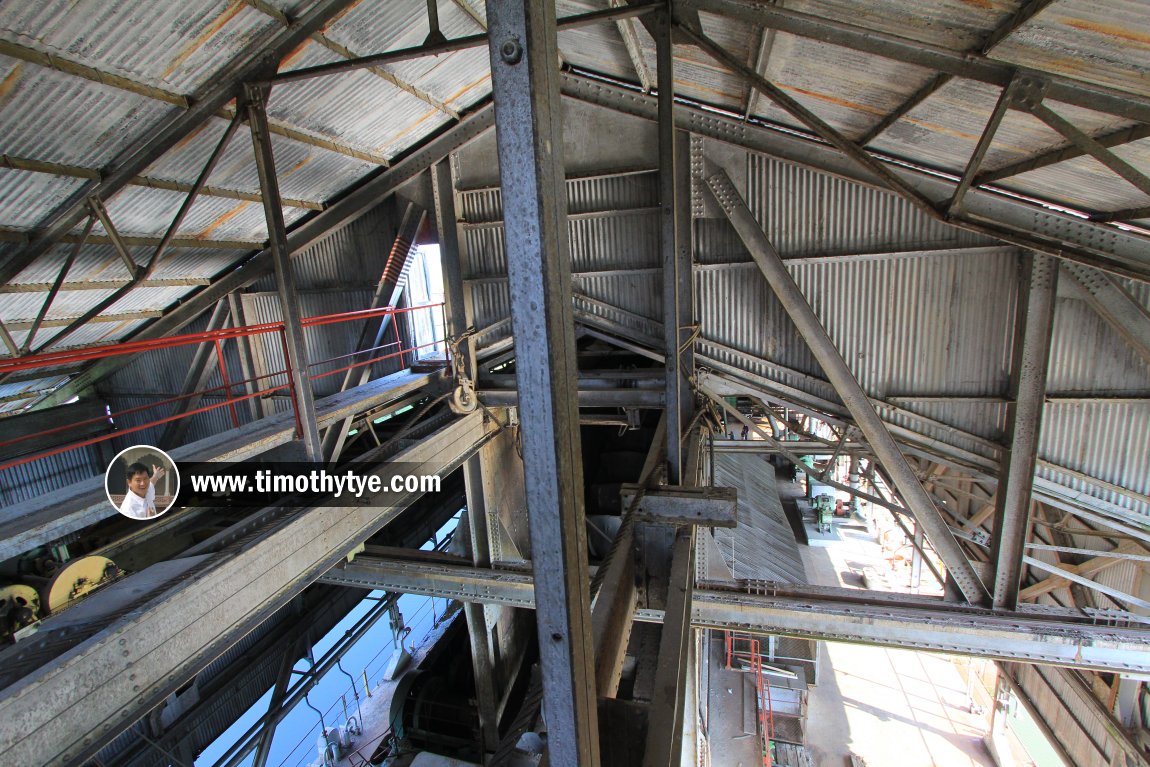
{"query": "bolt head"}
{"type": "Point", "coordinates": [511, 51]}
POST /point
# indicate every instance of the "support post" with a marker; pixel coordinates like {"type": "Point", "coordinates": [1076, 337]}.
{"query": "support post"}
{"type": "Point", "coordinates": [665, 728]}
{"type": "Point", "coordinates": [855, 485]}
{"type": "Point", "coordinates": [388, 292]}
{"type": "Point", "coordinates": [256, 405]}
{"type": "Point", "coordinates": [10, 342]}
{"type": "Point", "coordinates": [482, 658]}
{"type": "Point", "coordinates": [1035, 319]}
{"type": "Point", "coordinates": [459, 310]}
{"type": "Point", "coordinates": [197, 377]}
{"type": "Point", "coordinates": [674, 243]}
{"type": "Point", "coordinates": [283, 679]}
{"type": "Point", "coordinates": [916, 560]}
{"type": "Point", "coordinates": [525, 86]}
{"type": "Point", "coordinates": [285, 280]}
{"type": "Point", "coordinates": [458, 319]}
{"type": "Point", "coordinates": [664, 747]}
{"type": "Point", "coordinates": [847, 387]}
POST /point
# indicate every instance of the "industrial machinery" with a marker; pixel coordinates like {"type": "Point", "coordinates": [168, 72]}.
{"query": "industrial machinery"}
{"type": "Point", "coordinates": [19, 607]}
{"type": "Point", "coordinates": [824, 508]}
{"type": "Point", "coordinates": [49, 587]}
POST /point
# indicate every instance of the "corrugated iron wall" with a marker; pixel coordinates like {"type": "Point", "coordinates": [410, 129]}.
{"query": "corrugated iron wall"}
{"type": "Point", "coordinates": [35, 479]}
{"type": "Point", "coordinates": [807, 213]}
{"type": "Point", "coordinates": [923, 313]}
{"type": "Point", "coordinates": [337, 274]}
{"type": "Point", "coordinates": [1081, 727]}
{"type": "Point", "coordinates": [613, 236]}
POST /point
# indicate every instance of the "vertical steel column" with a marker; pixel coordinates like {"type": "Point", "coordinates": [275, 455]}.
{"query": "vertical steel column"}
{"type": "Point", "coordinates": [285, 280]}
{"type": "Point", "coordinates": [451, 260]}
{"type": "Point", "coordinates": [443, 190]}
{"type": "Point", "coordinates": [528, 110]}
{"type": "Point", "coordinates": [199, 373]}
{"type": "Point", "coordinates": [458, 319]}
{"type": "Point", "coordinates": [256, 405]}
{"type": "Point", "coordinates": [839, 373]}
{"type": "Point", "coordinates": [916, 560]}
{"type": "Point", "coordinates": [855, 485]}
{"type": "Point", "coordinates": [665, 726]}
{"type": "Point", "coordinates": [674, 244]}
{"type": "Point", "coordinates": [388, 292]}
{"type": "Point", "coordinates": [482, 658]}
{"type": "Point", "coordinates": [1035, 319]}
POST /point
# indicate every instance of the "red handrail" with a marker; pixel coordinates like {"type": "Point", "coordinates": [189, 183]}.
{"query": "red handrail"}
{"type": "Point", "coordinates": [754, 658]}
{"type": "Point", "coordinates": [216, 337]}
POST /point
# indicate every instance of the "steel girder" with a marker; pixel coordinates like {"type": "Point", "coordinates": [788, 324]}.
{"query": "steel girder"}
{"type": "Point", "coordinates": [847, 386]}
{"type": "Point", "coordinates": [1055, 636]}
{"type": "Point", "coordinates": [63, 712]}
{"type": "Point", "coordinates": [998, 216]}
{"type": "Point", "coordinates": [529, 137]}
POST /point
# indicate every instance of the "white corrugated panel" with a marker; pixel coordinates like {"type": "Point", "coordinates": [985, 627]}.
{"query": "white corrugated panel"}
{"type": "Point", "coordinates": [1101, 439]}
{"type": "Point", "coordinates": [807, 213]}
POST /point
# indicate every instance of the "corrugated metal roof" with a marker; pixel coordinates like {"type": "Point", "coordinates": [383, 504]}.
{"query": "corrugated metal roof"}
{"type": "Point", "coordinates": [1104, 43]}
{"type": "Point", "coordinates": [149, 212]}
{"type": "Point", "coordinates": [88, 123]}
{"type": "Point", "coordinates": [345, 109]}
{"type": "Point", "coordinates": [601, 48]}
{"type": "Point", "coordinates": [304, 172]}
{"type": "Point", "coordinates": [92, 334]}
{"type": "Point", "coordinates": [101, 263]}
{"type": "Point", "coordinates": [26, 198]}
{"type": "Point", "coordinates": [457, 79]}
{"type": "Point", "coordinates": [698, 77]}
{"type": "Point", "coordinates": [948, 23]}
{"type": "Point", "coordinates": [848, 89]}
{"type": "Point", "coordinates": [1085, 183]}
{"type": "Point", "coordinates": [172, 46]}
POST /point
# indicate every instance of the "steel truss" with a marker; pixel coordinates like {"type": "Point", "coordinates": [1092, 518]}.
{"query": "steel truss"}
{"type": "Point", "coordinates": [1086, 639]}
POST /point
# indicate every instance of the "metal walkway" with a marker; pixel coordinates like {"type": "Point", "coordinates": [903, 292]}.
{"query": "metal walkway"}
{"type": "Point", "coordinates": [28, 524]}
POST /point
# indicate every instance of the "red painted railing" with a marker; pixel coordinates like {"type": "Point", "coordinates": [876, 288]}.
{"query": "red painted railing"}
{"type": "Point", "coordinates": [260, 386]}
{"type": "Point", "coordinates": [747, 649]}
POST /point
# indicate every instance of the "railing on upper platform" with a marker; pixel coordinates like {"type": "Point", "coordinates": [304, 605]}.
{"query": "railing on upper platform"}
{"type": "Point", "coordinates": [257, 386]}
{"type": "Point", "coordinates": [742, 649]}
